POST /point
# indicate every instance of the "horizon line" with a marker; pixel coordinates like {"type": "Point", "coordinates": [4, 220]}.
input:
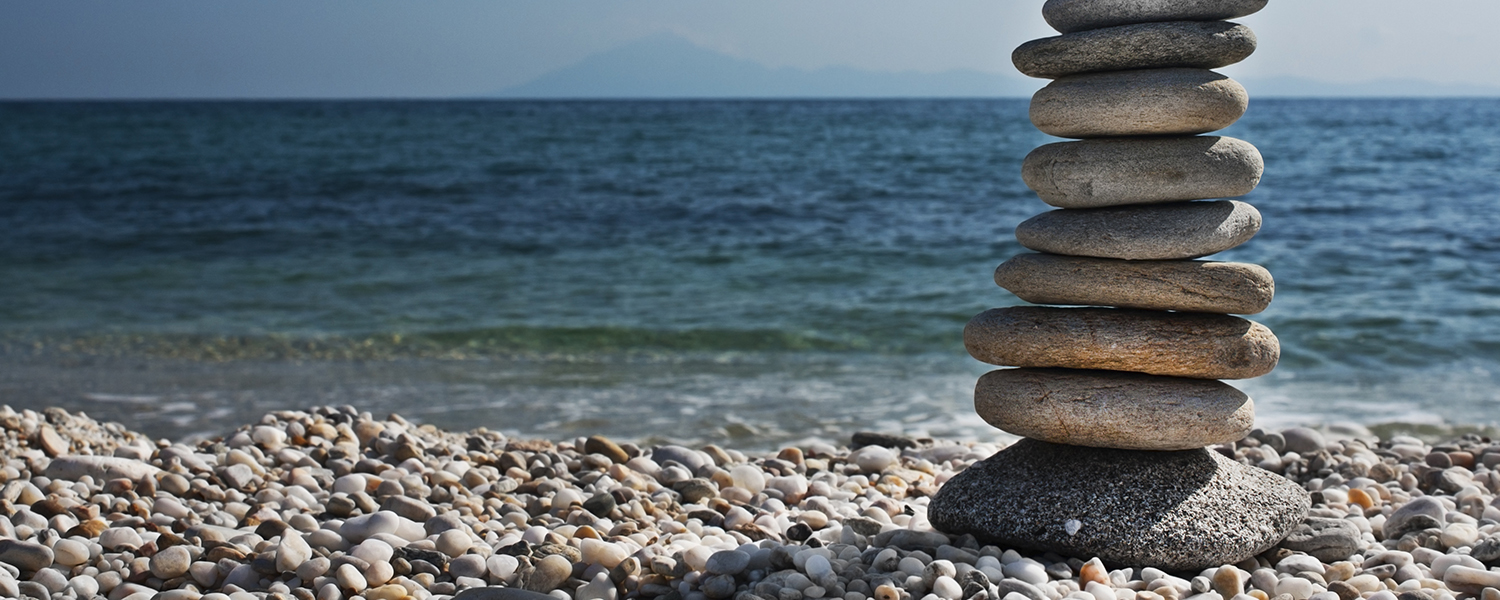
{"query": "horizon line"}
{"type": "Point", "coordinates": [85, 99]}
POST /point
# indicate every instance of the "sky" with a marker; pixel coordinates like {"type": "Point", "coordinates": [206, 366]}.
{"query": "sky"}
{"type": "Point", "coordinates": [457, 48]}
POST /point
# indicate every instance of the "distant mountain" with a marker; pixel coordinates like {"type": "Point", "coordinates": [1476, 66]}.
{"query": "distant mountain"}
{"type": "Point", "coordinates": [667, 66]}
{"type": "Point", "coordinates": [1299, 87]}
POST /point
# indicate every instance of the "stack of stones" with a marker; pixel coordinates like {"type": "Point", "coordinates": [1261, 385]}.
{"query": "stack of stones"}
{"type": "Point", "coordinates": [1118, 394]}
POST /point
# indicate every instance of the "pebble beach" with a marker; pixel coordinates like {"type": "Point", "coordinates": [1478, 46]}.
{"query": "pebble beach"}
{"type": "Point", "coordinates": [336, 503]}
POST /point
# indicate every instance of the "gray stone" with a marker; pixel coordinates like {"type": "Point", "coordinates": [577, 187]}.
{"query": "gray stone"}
{"type": "Point", "coordinates": [692, 459]}
{"type": "Point", "coordinates": [1422, 512]}
{"type": "Point", "coordinates": [1152, 232]}
{"type": "Point", "coordinates": [1067, 16]}
{"type": "Point", "coordinates": [237, 476]}
{"type": "Point", "coordinates": [1140, 102]}
{"type": "Point", "coordinates": [1111, 172]}
{"type": "Point", "coordinates": [1111, 409]}
{"type": "Point", "coordinates": [1302, 440]}
{"type": "Point", "coordinates": [910, 539]}
{"type": "Point", "coordinates": [1011, 585]}
{"type": "Point", "coordinates": [1328, 540]}
{"type": "Point", "coordinates": [1196, 345]}
{"type": "Point", "coordinates": [716, 587]}
{"type": "Point", "coordinates": [548, 573]}
{"type": "Point", "coordinates": [1194, 286]}
{"type": "Point", "coordinates": [500, 593]}
{"type": "Point", "coordinates": [1188, 44]}
{"type": "Point", "coordinates": [53, 579]}
{"type": "Point", "coordinates": [32, 589]}
{"type": "Point", "coordinates": [26, 556]}
{"type": "Point", "coordinates": [1183, 510]}
{"type": "Point", "coordinates": [101, 468]}
{"type": "Point", "coordinates": [727, 562]}
{"type": "Point", "coordinates": [861, 439]}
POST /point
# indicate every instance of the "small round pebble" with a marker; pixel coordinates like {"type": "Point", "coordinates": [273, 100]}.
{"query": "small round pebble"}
{"type": "Point", "coordinates": [170, 563]}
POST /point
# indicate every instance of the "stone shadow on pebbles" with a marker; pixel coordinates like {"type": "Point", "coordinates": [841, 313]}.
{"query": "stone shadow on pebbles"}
{"type": "Point", "coordinates": [1178, 511]}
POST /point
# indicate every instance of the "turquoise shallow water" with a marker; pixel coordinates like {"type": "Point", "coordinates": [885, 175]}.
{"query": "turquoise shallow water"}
{"type": "Point", "coordinates": [751, 272]}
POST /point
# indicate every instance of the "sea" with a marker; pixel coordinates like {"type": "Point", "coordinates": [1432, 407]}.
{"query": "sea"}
{"type": "Point", "coordinates": [746, 273]}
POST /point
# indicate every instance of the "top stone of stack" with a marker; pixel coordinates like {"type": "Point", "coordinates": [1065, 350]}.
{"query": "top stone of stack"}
{"type": "Point", "coordinates": [1068, 16]}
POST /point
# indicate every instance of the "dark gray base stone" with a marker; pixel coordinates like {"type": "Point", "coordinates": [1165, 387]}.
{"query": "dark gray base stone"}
{"type": "Point", "coordinates": [1179, 511]}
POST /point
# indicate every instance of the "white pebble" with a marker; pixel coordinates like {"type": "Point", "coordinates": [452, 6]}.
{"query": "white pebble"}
{"type": "Point", "coordinates": [350, 578]}
{"type": "Point", "coordinates": [606, 554]}
{"type": "Point", "coordinates": [502, 566]}
{"type": "Point", "coordinates": [453, 542]}
{"type": "Point", "coordinates": [749, 477]}
{"type": "Point", "coordinates": [948, 589]}
{"type": "Point", "coordinates": [292, 551]}
{"type": "Point", "coordinates": [70, 553]}
{"type": "Point", "coordinates": [1300, 589]}
{"type": "Point", "coordinates": [372, 551]}
{"type": "Point", "coordinates": [349, 484]}
{"type": "Point", "coordinates": [873, 459]}
{"type": "Point", "coordinates": [1026, 570]}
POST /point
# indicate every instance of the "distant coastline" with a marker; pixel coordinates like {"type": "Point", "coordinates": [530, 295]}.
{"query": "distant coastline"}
{"type": "Point", "coordinates": [670, 67]}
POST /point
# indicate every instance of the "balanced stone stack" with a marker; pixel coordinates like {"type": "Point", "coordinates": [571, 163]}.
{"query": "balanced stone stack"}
{"type": "Point", "coordinates": [1117, 392]}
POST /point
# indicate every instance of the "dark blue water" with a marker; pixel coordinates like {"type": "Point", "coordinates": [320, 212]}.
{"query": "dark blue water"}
{"type": "Point", "coordinates": [749, 272]}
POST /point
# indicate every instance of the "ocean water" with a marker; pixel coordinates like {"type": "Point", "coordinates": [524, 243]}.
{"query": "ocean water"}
{"type": "Point", "coordinates": [749, 273]}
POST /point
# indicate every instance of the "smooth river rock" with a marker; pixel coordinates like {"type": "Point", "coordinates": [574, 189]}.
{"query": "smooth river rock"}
{"type": "Point", "coordinates": [1111, 172]}
{"type": "Point", "coordinates": [1179, 511]}
{"type": "Point", "coordinates": [101, 468]}
{"type": "Point", "coordinates": [1185, 285]}
{"type": "Point", "coordinates": [1172, 231]}
{"type": "Point", "coordinates": [1067, 16]}
{"type": "Point", "coordinates": [1196, 345]}
{"type": "Point", "coordinates": [26, 556]}
{"type": "Point", "coordinates": [1191, 44]}
{"type": "Point", "coordinates": [1328, 540]}
{"type": "Point", "coordinates": [1141, 102]}
{"type": "Point", "coordinates": [1111, 409]}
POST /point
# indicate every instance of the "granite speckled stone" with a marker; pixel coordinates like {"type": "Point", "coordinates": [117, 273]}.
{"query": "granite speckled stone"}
{"type": "Point", "coordinates": [1180, 511]}
{"type": "Point", "coordinates": [1140, 102]}
{"type": "Point", "coordinates": [1185, 285]}
{"type": "Point", "coordinates": [1111, 409]}
{"type": "Point", "coordinates": [1067, 16]}
{"type": "Point", "coordinates": [1142, 232]}
{"type": "Point", "coordinates": [1110, 172]}
{"type": "Point", "coordinates": [1196, 345]}
{"type": "Point", "coordinates": [1192, 44]}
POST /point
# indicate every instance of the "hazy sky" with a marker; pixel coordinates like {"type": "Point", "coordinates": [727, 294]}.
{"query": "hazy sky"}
{"type": "Point", "coordinates": [444, 48]}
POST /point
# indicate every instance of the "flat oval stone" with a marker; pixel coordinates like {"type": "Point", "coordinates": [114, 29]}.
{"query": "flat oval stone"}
{"type": "Point", "coordinates": [1067, 16]}
{"type": "Point", "coordinates": [1192, 44]}
{"type": "Point", "coordinates": [1328, 540]}
{"type": "Point", "coordinates": [1185, 285]}
{"type": "Point", "coordinates": [1110, 409]}
{"type": "Point", "coordinates": [1111, 172]}
{"type": "Point", "coordinates": [26, 556]}
{"type": "Point", "coordinates": [1179, 511]}
{"type": "Point", "coordinates": [101, 468]}
{"type": "Point", "coordinates": [1141, 102]}
{"type": "Point", "coordinates": [1149, 232]}
{"type": "Point", "coordinates": [1196, 345]}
